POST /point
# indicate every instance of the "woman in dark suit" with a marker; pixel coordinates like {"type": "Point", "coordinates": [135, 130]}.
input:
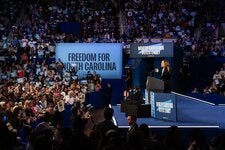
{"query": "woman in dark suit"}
{"type": "Point", "coordinates": [166, 75]}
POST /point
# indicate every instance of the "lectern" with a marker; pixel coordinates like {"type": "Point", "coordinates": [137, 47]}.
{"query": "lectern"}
{"type": "Point", "coordinates": [163, 105]}
{"type": "Point", "coordinates": [154, 85]}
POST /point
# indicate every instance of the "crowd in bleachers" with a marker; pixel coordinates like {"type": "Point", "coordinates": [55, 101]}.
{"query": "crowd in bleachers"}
{"type": "Point", "coordinates": [8, 15]}
{"type": "Point", "coordinates": [216, 86]}
{"type": "Point", "coordinates": [218, 82]}
{"type": "Point", "coordinates": [209, 43]}
{"type": "Point", "coordinates": [162, 19]}
{"type": "Point", "coordinates": [173, 19]}
{"type": "Point", "coordinates": [34, 87]}
{"type": "Point", "coordinates": [208, 47]}
{"type": "Point", "coordinates": [98, 20]}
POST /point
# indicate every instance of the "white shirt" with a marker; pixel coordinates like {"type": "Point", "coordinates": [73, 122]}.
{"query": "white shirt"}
{"type": "Point", "coordinates": [69, 100]}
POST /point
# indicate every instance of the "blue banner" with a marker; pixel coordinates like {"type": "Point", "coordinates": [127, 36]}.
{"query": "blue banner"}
{"type": "Point", "coordinates": [104, 58]}
{"type": "Point", "coordinates": [152, 102]}
{"type": "Point", "coordinates": [151, 50]}
{"type": "Point", "coordinates": [163, 106]}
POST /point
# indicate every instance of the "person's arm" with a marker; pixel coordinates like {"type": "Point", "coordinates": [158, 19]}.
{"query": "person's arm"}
{"type": "Point", "coordinates": [127, 77]}
{"type": "Point", "coordinates": [146, 83]}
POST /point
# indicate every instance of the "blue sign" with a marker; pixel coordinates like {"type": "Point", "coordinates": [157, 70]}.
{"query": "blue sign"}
{"type": "Point", "coordinates": [163, 106]}
{"type": "Point", "coordinates": [146, 96]}
{"type": "Point", "coordinates": [104, 58]}
{"type": "Point", "coordinates": [152, 101]}
{"type": "Point", "coordinates": [151, 50]}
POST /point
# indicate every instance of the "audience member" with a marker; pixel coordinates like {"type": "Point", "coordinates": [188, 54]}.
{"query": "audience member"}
{"type": "Point", "coordinates": [131, 133]}
{"type": "Point", "coordinates": [33, 83]}
{"type": "Point", "coordinates": [107, 90]}
{"type": "Point", "coordinates": [107, 124]}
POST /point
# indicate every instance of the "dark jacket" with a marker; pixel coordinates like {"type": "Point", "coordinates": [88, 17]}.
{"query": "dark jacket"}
{"type": "Point", "coordinates": [105, 126]}
{"type": "Point", "coordinates": [166, 77]}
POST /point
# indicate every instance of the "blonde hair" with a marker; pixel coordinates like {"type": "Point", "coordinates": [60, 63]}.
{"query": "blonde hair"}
{"type": "Point", "coordinates": [167, 64]}
{"type": "Point", "coordinates": [27, 104]}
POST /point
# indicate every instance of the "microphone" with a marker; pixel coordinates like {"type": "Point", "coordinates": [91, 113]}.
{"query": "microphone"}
{"type": "Point", "coordinates": [156, 70]}
{"type": "Point", "coordinates": [151, 73]}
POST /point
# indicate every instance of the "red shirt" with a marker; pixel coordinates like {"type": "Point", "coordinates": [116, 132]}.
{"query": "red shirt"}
{"type": "Point", "coordinates": [20, 73]}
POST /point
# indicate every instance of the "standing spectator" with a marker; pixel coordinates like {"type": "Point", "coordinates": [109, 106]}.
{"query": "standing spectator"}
{"type": "Point", "coordinates": [149, 142]}
{"type": "Point", "coordinates": [138, 95]}
{"type": "Point", "coordinates": [173, 139]}
{"type": "Point", "coordinates": [128, 79]}
{"type": "Point", "coordinates": [98, 86]}
{"type": "Point", "coordinates": [59, 66]}
{"type": "Point", "coordinates": [134, 138]}
{"type": "Point", "coordinates": [89, 76]}
{"type": "Point", "coordinates": [107, 124]}
{"type": "Point", "coordinates": [197, 140]}
{"type": "Point", "coordinates": [91, 86]}
{"type": "Point", "coordinates": [79, 139]}
{"type": "Point", "coordinates": [108, 94]}
{"type": "Point", "coordinates": [5, 142]}
{"type": "Point", "coordinates": [133, 125]}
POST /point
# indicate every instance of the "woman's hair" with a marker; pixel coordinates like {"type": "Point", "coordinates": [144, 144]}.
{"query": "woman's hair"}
{"type": "Point", "coordinates": [167, 63]}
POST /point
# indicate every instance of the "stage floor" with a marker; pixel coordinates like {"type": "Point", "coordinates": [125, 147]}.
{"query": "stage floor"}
{"type": "Point", "coordinates": [191, 113]}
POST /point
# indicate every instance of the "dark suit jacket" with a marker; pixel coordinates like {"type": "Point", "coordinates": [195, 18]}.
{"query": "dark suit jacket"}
{"type": "Point", "coordinates": [131, 130]}
{"type": "Point", "coordinates": [105, 126]}
{"type": "Point", "coordinates": [138, 96]}
{"type": "Point", "coordinates": [166, 77]}
{"type": "Point", "coordinates": [130, 136]}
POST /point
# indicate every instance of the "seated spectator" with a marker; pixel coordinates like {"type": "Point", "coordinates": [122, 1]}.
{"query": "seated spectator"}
{"type": "Point", "coordinates": [206, 90]}
{"type": "Point", "coordinates": [213, 87]}
{"type": "Point", "coordinates": [195, 90]}
{"type": "Point", "coordinates": [217, 77]}
{"type": "Point", "coordinates": [222, 71]}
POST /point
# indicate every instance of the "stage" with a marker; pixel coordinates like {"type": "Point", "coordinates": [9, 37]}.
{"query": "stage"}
{"type": "Point", "coordinates": [191, 113]}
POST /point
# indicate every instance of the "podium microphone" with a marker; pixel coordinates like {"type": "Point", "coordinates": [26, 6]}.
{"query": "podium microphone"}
{"type": "Point", "coordinates": [151, 73]}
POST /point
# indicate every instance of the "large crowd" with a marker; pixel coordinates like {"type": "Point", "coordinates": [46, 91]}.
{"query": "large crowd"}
{"type": "Point", "coordinates": [162, 19]}
{"type": "Point", "coordinates": [147, 20]}
{"type": "Point", "coordinates": [35, 89]}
